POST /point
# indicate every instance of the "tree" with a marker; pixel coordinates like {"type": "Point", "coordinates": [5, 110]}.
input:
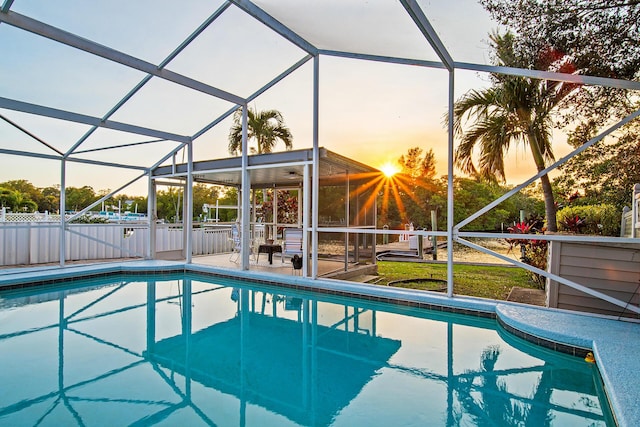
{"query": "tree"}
{"type": "Point", "coordinates": [406, 196]}
{"type": "Point", "coordinates": [49, 200]}
{"type": "Point", "coordinates": [26, 195]}
{"type": "Point", "coordinates": [229, 197]}
{"type": "Point", "coordinates": [79, 198]}
{"type": "Point", "coordinates": [416, 167]}
{"type": "Point", "coordinates": [7, 198]}
{"type": "Point", "coordinates": [169, 204]}
{"type": "Point", "coordinates": [265, 127]}
{"type": "Point", "coordinates": [331, 206]}
{"type": "Point", "coordinates": [471, 195]}
{"type": "Point", "coordinates": [23, 186]}
{"type": "Point", "coordinates": [601, 37]}
{"type": "Point", "coordinates": [513, 110]}
{"type": "Point", "coordinates": [204, 194]}
{"type": "Point", "coordinates": [16, 201]}
{"type": "Point", "coordinates": [605, 173]}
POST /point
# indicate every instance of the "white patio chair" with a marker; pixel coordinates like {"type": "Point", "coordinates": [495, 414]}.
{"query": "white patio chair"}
{"type": "Point", "coordinates": [292, 242]}
{"type": "Point", "coordinates": [237, 244]}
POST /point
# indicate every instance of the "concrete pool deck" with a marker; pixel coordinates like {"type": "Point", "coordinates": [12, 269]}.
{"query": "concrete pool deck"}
{"type": "Point", "coordinates": [615, 343]}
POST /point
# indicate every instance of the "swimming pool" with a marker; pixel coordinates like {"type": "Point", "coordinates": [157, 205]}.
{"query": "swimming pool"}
{"type": "Point", "coordinates": [178, 349]}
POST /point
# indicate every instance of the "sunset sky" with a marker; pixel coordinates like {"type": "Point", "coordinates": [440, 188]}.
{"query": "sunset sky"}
{"type": "Point", "coordinates": [373, 112]}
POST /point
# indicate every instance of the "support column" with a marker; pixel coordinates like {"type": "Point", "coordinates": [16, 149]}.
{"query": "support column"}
{"type": "Point", "coordinates": [187, 216]}
{"type": "Point", "coordinates": [305, 220]}
{"type": "Point", "coordinates": [434, 238]}
{"type": "Point", "coordinates": [63, 207]}
{"type": "Point", "coordinates": [347, 216]}
{"type": "Point", "coordinates": [315, 187]}
{"type": "Point", "coordinates": [245, 188]}
{"type": "Point", "coordinates": [300, 195]}
{"type": "Point", "coordinates": [450, 191]}
{"type": "Point", "coordinates": [152, 215]}
{"type": "Point", "coordinates": [274, 212]}
{"type": "Point", "coordinates": [374, 237]}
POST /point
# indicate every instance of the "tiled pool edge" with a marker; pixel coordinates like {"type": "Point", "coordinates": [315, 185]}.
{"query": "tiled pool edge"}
{"type": "Point", "coordinates": [407, 297]}
{"type": "Point", "coordinates": [615, 344]}
{"type": "Point", "coordinates": [17, 278]}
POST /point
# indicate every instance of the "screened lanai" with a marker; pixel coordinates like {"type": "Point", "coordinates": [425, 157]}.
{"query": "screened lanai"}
{"type": "Point", "coordinates": [109, 94]}
{"type": "Point", "coordinates": [348, 196]}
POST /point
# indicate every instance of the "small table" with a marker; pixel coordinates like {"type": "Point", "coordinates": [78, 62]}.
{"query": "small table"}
{"type": "Point", "coordinates": [268, 249]}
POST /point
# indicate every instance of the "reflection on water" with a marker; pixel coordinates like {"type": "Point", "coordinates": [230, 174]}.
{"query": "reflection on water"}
{"type": "Point", "coordinates": [182, 351]}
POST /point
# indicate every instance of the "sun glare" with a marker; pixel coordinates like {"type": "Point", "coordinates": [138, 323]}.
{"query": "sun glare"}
{"type": "Point", "coordinates": [389, 170]}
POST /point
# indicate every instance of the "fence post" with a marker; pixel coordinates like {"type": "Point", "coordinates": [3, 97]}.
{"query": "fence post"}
{"type": "Point", "coordinates": [623, 223]}
{"type": "Point", "coordinates": [634, 207]}
{"type": "Point", "coordinates": [434, 241]}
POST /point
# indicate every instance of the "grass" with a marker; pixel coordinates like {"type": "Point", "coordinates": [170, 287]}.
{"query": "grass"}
{"type": "Point", "coordinates": [493, 282]}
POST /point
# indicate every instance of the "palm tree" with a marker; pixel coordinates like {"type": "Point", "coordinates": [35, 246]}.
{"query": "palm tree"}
{"type": "Point", "coordinates": [16, 200]}
{"type": "Point", "coordinates": [266, 127]}
{"type": "Point", "coordinates": [513, 110]}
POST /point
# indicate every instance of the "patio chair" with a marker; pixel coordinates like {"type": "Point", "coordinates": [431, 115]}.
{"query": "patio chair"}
{"type": "Point", "coordinates": [292, 242]}
{"type": "Point", "coordinates": [236, 239]}
{"type": "Point", "coordinates": [237, 244]}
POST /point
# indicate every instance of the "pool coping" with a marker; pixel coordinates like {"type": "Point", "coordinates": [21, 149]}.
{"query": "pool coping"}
{"type": "Point", "coordinates": [614, 343]}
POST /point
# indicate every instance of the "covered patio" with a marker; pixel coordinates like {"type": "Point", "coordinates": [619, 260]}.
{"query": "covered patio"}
{"type": "Point", "coordinates": [347, 194]}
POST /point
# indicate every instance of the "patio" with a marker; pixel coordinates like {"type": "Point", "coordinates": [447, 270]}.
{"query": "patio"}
{"type": "Point", "coordinates": [325, 267]}
{"type": "Point", "coordinates": [347, 200]}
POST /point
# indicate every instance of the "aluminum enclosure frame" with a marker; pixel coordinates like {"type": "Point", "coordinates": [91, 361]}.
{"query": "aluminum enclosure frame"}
{"type": "Point", "coordinates": [160, 71]}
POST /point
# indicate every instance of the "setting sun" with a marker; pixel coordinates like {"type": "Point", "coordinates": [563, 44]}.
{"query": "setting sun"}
{"type": "Point", "coordinates": [389, 169]}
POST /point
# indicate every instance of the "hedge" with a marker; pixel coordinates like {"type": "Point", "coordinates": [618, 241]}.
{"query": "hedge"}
{"type": "Point", "coordinates": [601, 219]}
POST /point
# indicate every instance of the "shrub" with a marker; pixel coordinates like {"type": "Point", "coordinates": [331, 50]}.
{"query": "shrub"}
{"type": "Point", "coordinates": [533, 252]}
{"type": "Point", "coordinates": [601, 219]}
{"type": "Point", "coordinates": [88, 219]}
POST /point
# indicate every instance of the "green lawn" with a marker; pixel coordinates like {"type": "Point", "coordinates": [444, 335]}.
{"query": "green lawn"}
{"type": "Point", "coordinates": [493, 282]}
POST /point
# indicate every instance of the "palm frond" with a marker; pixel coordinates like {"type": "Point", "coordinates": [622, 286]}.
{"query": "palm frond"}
{"type": "Point", "coordinates": [265, 127]}
{"type": "Point", "coordinates": [464, 155]}
{"type": "Point", "coordinates": [475, 104]}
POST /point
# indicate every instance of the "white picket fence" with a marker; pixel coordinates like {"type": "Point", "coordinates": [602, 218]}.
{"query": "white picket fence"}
{"type": "Point", "coordinates": [27, 243]}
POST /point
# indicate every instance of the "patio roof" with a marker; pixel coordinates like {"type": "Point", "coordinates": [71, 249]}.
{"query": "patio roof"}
{"type": "Point", "coordinates": [281, 169]}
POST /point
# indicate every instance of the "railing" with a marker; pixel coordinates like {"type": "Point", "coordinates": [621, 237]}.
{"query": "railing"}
{"type": "Point", "coordinates": [45, 216]}
{"type": "Point", "coordinates": [207, 241]}
{"type": "Point", "coordinates": [29, 217]}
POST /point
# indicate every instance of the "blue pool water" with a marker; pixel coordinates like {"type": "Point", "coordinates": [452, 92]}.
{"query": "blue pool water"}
{"type": "Point", "coordinates": [187, 351]}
